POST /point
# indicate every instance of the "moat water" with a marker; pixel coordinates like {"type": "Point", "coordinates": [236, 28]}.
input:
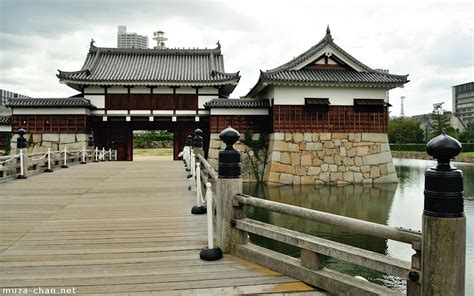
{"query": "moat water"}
{"type": "Point", "coordinates": [398, 205]}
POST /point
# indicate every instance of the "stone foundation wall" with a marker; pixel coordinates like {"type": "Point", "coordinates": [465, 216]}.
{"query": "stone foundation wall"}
{"type": "Point", "coordinates": [329, 158]}
{"type": "Point", "coordinates": [41, 142]}
{"type": "Point", "coordinates": [216, 144]}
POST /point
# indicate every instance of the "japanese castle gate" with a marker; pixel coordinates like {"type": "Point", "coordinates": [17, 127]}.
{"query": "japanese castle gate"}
{"type": "Point", "coordinates": [325, 112]}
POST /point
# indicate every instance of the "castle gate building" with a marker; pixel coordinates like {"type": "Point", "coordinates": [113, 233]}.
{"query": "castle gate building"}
{"type": "Point", "coordinates": [324, 112]}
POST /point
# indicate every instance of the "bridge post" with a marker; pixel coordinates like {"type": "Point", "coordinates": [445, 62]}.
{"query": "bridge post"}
{"type": "Point", "coordinates": [187, 155]}
{"type": "Point", "coordinates": [444, 223]}
{"type": "Point", "coordinates": [22, 145]}
{"type": "Point", "coordinates": [198, 142]}
{"type": "Point", "coordinates": [229, 183]}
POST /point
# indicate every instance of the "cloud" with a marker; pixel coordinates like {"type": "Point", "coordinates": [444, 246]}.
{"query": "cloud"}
{"type": "Point", "coordinates": [431, 41]}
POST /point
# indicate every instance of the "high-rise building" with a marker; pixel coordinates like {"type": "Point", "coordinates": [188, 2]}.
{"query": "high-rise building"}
{"type": "Point", "coordinates": [6, 95]}
{"type": "Point", "coordinates": [130, 40]}
{"type": "Point", "coordinates": [463, 101]}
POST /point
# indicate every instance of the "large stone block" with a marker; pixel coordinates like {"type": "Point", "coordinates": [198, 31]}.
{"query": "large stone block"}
{"type": "Point", "coordinates": [336, 177]}
{"type": "Point", "coordinates": [67, 138]}
{"type": "Point", "coordinates": [51, 137]}
{"type": "Point", "coordinates": [329, 159]}
{"type": "Point", "coordinates": [286, 179]}
{"type": "Point", "coordinates": [384, 147]}
{"type": "Point", "coordinates": [358, 177]}
{"type": "Point", "coordinates": [298, 137]}
{"type": "Point", "coordinates": [325, 167]}
{"type": "Point", "coordinates": [324, 177]}
{"type": "Point", "coordinates": [281, 168]}
{"type": "Point", "coordinates": [333, 168]}
{"type": "Point", "coordinates": [274, 177]}
{"type": "Point", "coordinates": [36, 138]}
{"type": "Point", "coordinates": [374, 172]}
{"type": "Point", "coordinates": [275, 156]}
{"type": "Point", "coordinates": [292, 147]}
{"type": "Point", "coordinates": [295, 159]}
{"type": "Point", "coordinates": [328, 144]}
{"type": "Point", "coordinates": [215, 144]}
{"type": "Point", "coordinates": [277, 136]}
{"type": "Point", "coordinates": [314, 146]}
{"type": "Point", "coordinates": [285, 158]}
{"type": "Point", "coordinates": [288, 137]}
{"type": "Point", "coordinates": [296, 180]}
{"type": "Point", "coordinates": [379, 158]}
{"type": "Point", "coordinates": [317, 161]}
{"type": "Point", "coordinates": [308, 137]}
{"type": "Point", "coordinates": [362, 150]}
{"type": "Point", "coordinates": [306, 159]}
{"type": "Point", "coordinates": [82, 137]}
{"type": "Point", "coordinates": [215, 136]}
{"type": "Point", "coordinates": [340, 135]}
{"type": "Point", "coordinates": [325, 136]}
{"type": "Point", "coordinates": [300, 170]}
{"type": "Point", "coordinates": [280, 146]}
{"type": "Point", "coordinates": [375, 137]}
{"type": "Point", "coordinates": [307, 180]}
{"type": "Point", "coordinates": [314, 171]}
{"type": "Point", "coordinates": [213, 153]}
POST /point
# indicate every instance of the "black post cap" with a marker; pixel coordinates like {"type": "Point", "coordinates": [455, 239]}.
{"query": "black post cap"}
{"type": "Point", "coordinates": [197, 141]}
{"type": "Point", "coordinates": [444, 191]}
{"type": "Point", "coordinates": [21, 141]}
{"type": "Point", "coordinates": [189, 141]}
{"type": "Point", "coordinates": [91, 141]}
{"type": "Point", "coordinates": [229, 157]}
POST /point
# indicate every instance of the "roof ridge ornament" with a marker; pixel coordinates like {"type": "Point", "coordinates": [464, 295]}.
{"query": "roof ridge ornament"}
{"type": "Point", "coordinates": [328, 36]}
{"type": "Point", "coordinates": [218, 44]}
{"type": "Point", "coordinates": [92, 42]}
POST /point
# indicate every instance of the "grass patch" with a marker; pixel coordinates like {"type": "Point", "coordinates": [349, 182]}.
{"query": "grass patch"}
{"type": "Point", "coordinates": [471, 154]}
{"type": "Point", "coordinates": [153, 152]}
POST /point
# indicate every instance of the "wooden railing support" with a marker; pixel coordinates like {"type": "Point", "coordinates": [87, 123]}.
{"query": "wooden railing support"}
{"type": "Point", "coordinates": [22, 146]}
{"type": "Point", "coordinates": [229, 183]}
{"type": "Point", "coordinates": [444, 223]}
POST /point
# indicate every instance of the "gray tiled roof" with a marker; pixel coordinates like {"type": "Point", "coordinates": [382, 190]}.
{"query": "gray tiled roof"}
{"type": "Point", "coordinates": [50, 103]}
{"type": "Point", "coordinates": [236, 103]}
{"type": "Point", "coordinates": [152, 66]}
{"type": "Point", "coordinates": [4, 120]}
{"type": "Point", "coordinates": [330, 76]}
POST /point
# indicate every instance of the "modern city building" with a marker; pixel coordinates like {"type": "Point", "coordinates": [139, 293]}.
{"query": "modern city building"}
{"type": "Point", "coordinates": [463, 101]}
{"type": "Point", "coordinates": [130, 40]}
{"type": "Point", "coordinates": [6, 95]}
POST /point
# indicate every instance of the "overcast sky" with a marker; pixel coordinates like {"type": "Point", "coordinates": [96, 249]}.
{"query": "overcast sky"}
{"type": "Point", "coordinates": [430, 40]}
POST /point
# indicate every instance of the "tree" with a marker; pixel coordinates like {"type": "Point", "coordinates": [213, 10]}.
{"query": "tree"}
{"type": "Point", "coordinates": [440, 122]}
{"type": "Point", "coordinates": [467, 135]}
{"type": "Point", "coordinates": [402, 130]}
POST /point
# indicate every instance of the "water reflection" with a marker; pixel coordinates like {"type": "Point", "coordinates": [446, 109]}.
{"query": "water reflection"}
{"type": "Point", "coordinates": [390, 204]}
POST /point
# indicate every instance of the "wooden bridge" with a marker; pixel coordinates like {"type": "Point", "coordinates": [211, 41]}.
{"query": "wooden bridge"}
{"type": "Point", "coordinates": [117, 228]}
{"type": "Point", "coordinates": [126, 228]}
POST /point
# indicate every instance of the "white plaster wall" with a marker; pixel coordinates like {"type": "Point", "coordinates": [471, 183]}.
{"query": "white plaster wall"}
{"type": "Point", "coordinates": [94, 89]}
{"type": "Point", "coordinates": [117, 90]}
{"type": "Point", "coordinates": [96, 100]}
{"type": "Point", "coordinates": [203, 99]}
{"type": "Point", "coordinates": [185, 90]}
{"type": "Point", "coordinates": [51, 111]}
{"type": "Point", "coordinates": [162, 90]}
{"type": "Point", "coordinates": [140, 90]}
{"type": "Point", "coordinates": [208, 90]}
{"type": "Point", "coordinates": [337, 96]}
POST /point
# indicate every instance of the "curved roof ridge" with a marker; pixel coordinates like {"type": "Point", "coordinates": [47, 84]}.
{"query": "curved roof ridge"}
{"type": "Point", "coordinates": [327, 40]}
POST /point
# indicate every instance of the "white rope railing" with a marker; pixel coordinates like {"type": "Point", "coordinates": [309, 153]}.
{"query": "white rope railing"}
{"type": "Point", "coordinates": [9, 159]}
{"type": "Point", "coordinates": [33, 161]}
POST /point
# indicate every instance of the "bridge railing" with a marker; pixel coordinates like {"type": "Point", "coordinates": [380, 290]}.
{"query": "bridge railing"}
{"type": "Point", "coordinates": [23, 164]}
{"type": "Point", "coordinates": [437, 266]}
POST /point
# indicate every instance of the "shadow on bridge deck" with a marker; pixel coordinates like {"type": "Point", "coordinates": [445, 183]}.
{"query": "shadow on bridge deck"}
{"type": "Point", "coordinates": [113, 228]}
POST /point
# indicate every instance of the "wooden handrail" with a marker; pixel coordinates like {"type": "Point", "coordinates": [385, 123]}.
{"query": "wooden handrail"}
{"type": "Point", "coordinates": [351, 224]}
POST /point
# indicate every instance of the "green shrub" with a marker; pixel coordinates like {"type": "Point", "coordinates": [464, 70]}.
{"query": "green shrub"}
{"type": "Point", "coordinates": [466, 147]}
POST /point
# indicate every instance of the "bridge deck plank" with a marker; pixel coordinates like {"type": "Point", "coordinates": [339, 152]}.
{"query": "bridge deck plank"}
{"type": "Point", "coordinates": [117, 227]}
